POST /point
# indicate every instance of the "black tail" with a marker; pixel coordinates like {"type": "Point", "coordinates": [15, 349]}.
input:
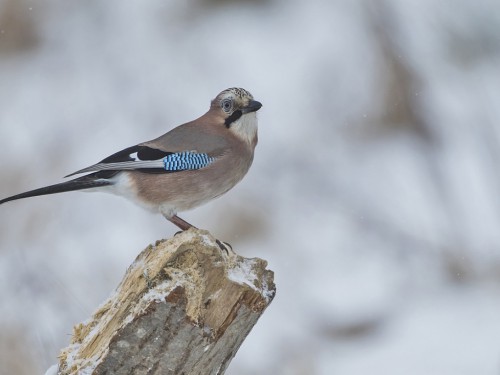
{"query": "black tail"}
{"type": "Point", "coordinates": [84, 182]}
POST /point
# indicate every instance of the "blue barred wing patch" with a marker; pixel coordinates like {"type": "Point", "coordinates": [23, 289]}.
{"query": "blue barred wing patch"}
{"type": "Point", "coordinates": [186, 160]}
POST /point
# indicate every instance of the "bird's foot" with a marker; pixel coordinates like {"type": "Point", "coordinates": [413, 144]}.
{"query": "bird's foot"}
{"type": "Point", "coordinates": [224, 246]}
{"type": "Point", "coordinates": [184, 225]}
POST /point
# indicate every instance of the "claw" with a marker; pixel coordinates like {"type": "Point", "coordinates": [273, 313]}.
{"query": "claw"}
{"type": "Point", "coordinates": [224, 246]}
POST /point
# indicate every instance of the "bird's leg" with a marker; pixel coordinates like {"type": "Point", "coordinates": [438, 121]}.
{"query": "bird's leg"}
{"type": "Point", "coordinates": [184, 225]}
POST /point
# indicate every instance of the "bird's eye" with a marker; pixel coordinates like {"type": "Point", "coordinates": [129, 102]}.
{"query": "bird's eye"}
{"type": "Point", "coordinates": [226, 105]}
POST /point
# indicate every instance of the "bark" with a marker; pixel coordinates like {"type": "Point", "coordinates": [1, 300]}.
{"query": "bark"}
{"type": "Point", "coordinates": [183, 307]}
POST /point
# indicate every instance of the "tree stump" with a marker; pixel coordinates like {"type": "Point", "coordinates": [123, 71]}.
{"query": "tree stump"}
{"type": "Point", "coordinates": [183, 307]}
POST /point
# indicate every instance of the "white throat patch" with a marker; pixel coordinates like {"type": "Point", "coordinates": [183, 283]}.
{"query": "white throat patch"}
{"type": "Point", "coordinates": [246, 127]}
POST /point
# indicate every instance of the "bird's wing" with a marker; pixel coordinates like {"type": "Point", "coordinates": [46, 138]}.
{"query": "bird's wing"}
{"type": "Point", "coordinates": [186, 147]}
{"type": "Point", "coordinates": [151, 160]}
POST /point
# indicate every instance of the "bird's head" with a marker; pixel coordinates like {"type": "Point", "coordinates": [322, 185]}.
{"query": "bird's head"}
{"type": "Point", "coordinates": [238, 109]}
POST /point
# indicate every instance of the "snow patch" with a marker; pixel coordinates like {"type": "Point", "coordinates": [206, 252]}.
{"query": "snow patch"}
{"type": "Point", "coordinates": [207, 240]}
{"type": "Point", "coordinates": [243, 273]}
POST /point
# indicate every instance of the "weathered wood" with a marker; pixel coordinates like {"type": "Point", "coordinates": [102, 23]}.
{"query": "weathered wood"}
{"type": "Point", "coordinates": [183, 307]}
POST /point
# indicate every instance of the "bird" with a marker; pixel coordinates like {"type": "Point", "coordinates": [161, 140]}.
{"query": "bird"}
{"type": "Point", "coordinates": [188, 166]}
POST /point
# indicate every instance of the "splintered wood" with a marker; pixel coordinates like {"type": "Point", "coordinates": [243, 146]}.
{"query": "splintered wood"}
{"type": "Point", "coordinates": [183, 307]}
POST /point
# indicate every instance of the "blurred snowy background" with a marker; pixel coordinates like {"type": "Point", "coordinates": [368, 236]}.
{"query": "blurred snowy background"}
{"type": "Point", "coordinates": [374, 194]}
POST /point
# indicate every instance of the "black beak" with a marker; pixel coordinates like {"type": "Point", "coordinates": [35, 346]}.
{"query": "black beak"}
{"type": "Point", "coordinates": [253, 106]}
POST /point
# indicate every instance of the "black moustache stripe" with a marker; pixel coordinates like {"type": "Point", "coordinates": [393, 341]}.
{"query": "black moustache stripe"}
{"type": "Point", "coordinates": [235, 116]}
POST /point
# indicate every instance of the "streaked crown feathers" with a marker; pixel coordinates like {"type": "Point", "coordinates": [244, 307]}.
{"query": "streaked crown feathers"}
{"type": "Point", "coordinates": [232, 99]}
{"type": "Point", "coordinates": [237, 92]}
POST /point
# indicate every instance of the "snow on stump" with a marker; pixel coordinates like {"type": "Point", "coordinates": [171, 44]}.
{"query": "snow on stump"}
{"type": "Point", "coordinates": [183, 307]}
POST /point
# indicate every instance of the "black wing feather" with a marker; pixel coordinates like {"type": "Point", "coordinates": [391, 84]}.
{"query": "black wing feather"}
{"type": "Point", "coordinates": [143, 153]}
